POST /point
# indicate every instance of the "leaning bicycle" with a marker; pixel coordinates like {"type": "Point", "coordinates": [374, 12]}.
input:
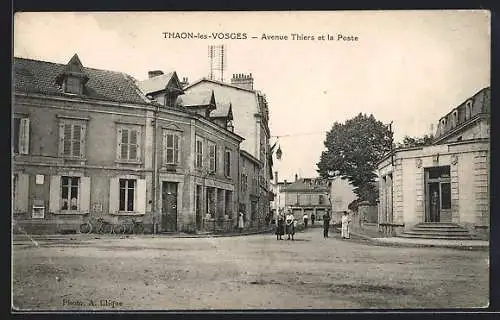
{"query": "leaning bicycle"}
{"type": "Point", "coordinates": [99, 225]}
{"type": "Point", "coordinates": [132, 226]}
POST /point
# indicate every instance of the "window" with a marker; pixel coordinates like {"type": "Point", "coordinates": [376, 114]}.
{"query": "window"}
{"type": "Point", "coordinates": [227, 163]}
{"type": "Point", "coordinates": [321, 199]}
{"type": "Point", "coordinates": [73, 85]}
{"type": "Point", "coordinates": [70, 190]}
{"type": "Point", "coordinates": [21, 135]}
{"type": "Point", "coordinates": [212, 156]}
{"type": "Point", "coordinates": [171, 147]}
{"type": "Point", "coordinates": [127, 194]}
{"type": "Point", "coordinates": [72, 138]}
{"type": "Point", "coordinates": [199, 153]}
{"type": "Point", "coordinates": [129, 138]}
{"type": "Point", "coordinates": [298, 199]}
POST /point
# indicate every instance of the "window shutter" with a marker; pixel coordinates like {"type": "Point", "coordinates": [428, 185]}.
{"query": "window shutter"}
{"type": "Point", "coordinates": [138, 141]}
{"type": "Point", "coordinates": [83, 138]}
{"type": "Point", "coordinates": [22, 192]}
{"type": "Point", "coordinates": [141, 196]}
{"type": "Point", "coordinates": [55, 193]}
{"type": "Point", "coordinates": [118, 143]}
{"type": "Point", "coordinates": [164, 148]}
{"type": "Point", "coordinates": [85, 194]}
{"type": "Point", "coordinates": [176, 148]}
{"type": "Point", "coordinates": [114, 195]}
{"type": "Point", "coordinates": [133, 145]}
{"type": "Point", "coordinates": [67, 138]}
{"type": "Point", "coordinates": [24, 136]}
{"type": "Point", "coordinates": [76, 140]}
{"type": "Point", "coordinates": [61, 138]}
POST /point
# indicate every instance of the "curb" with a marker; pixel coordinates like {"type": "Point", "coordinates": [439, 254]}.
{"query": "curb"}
{"type": "Point", "coordinates": [419, 245]}
{"type": "Point", "coordinates": [52, 237]}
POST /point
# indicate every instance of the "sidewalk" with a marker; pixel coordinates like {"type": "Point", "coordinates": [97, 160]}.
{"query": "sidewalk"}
{"type": "Point", "coordinates": [19, 238]}
{"type": "Point", "coordinates": [408, 242]}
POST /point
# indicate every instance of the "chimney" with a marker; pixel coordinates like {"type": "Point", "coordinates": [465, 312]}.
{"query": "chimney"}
{"type": "Point", "coordinates": [154, 73]}
{"type": "Point", "coordinates": [242, 80]}
{"type": "Point", "coordinates": [284, 182]}
{"type": "Point", "coordinates": [276, 176]}
{"type": "Point", "coordinates": [184, 82]}
{"type": "Point", "coordinates": [296, 177]}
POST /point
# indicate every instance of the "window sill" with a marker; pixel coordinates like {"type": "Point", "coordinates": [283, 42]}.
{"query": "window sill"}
{"type": "Point", "coordinates": [69, 212]}
{"type": "Point", "coordinates": [129, 162]}
{"type": "Point", "coordinates": [127, 213]}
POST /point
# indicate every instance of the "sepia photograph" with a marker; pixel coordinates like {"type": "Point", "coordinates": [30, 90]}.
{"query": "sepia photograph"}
{"type": "Point", "coordinates": [258, 160]}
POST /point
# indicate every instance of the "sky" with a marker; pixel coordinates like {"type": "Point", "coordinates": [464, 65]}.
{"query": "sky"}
{"type": "Point", "coordinates": [408, 67]}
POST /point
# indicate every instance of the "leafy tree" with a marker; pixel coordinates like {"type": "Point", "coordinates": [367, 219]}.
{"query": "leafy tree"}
{"type": "Point", "coordinates": [352, 152]}
{"type": "Point", "coordinates": [410, 142]}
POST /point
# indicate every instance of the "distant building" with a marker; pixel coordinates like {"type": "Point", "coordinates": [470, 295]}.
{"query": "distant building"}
{"type": "Point", "coordinates": [341, 195]}
{"type": "Point", "coordinates": [307, 196]}
{"type": "Point", "coordinates": [447, 182]}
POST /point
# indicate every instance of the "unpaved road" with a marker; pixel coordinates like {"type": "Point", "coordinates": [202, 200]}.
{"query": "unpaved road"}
{"type": "Point", "coordinates": [247, 272]}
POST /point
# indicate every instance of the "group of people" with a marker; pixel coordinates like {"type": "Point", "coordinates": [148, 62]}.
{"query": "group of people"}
{"type": "Point", "coordinates": [287, 225]}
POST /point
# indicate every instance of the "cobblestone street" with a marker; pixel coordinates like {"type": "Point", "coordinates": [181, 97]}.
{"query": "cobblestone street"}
{"type": "Point", "coordinates": [244, 272]}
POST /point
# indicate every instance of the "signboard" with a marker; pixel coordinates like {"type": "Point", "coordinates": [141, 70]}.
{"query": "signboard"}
{"type": "Point", "coordinates": [39, 179]}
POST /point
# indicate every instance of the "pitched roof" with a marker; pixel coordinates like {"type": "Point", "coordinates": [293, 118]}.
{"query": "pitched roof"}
{"type": "Point", "coordinates": [219, 83]}
{"type": "Point", "coordinates": [35, 76]}
{"type": "Point", "coordinates": [306, 184]}
{"type": "Point", "coordinates": [156, 84]}
{"type": "Point", "coordinates": [223, 110]}
{"type": "Point", "coordinates": [198, 98]}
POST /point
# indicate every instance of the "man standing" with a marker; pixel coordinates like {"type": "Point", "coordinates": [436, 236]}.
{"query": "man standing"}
{"type": "Point", "coordinates": [305, 218]}
{"type": "Point", "coordinates": [326, 224]}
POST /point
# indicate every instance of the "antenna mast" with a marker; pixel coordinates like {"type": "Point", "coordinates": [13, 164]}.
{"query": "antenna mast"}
{"type": "Point", "coordinates": [217, 59]}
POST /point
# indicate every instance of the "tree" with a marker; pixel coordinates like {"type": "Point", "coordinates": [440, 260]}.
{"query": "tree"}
{"type": "Point", "coordinates": [410, 142]}
{"type": "Point", "coordinates": [352, 152]}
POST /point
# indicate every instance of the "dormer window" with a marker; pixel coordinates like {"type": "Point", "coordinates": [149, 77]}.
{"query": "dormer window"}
{"type": "Point", "coordinates": [230, 125]}
{"type": "Point", "coordinates": [72, 78]}
{"type": "Point", "coordinates": [73, 85]}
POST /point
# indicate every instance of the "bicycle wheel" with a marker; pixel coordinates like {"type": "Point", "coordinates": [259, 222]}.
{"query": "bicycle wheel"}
{"type": "Point", "coordinates": [107, 228]}
{"type": "Point", "coordinates": [85, 228]}
{"type": "Point", "coordinates": [139, 228]}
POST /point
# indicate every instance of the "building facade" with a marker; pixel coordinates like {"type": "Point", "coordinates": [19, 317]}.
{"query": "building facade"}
{"type": "Point", "coordinates": [88, 143]}
{"type": "Point", "coordinates": [307, 196]}
{"type": "Point", "coordinates": [250, 189]}
{"type": "Point", "coordinates": [446, 182]}
{"type": "Point", "coordinates": [250, 120]}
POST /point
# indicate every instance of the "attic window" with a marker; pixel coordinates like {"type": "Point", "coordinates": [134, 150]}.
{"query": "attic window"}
{"type": "Point", "coordinates": [73, 85]}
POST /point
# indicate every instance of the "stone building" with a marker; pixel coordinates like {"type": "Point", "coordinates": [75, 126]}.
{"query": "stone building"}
{"type": "Point", "coordinates": [307, 195]}
{"type": "Point", "coordinates": [88, 143]}
{"type": "Point", "coordinates": [251, 121]}
{"type": "Point", "coordinates": [444, 185]}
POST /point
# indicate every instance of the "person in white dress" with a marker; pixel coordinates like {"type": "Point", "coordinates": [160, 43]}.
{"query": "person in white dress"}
{"type": "Point", "coordinates": [345, 225]}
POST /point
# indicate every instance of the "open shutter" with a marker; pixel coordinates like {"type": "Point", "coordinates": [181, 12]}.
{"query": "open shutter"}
{"type": "Point", "coordinates": [85, 194]}
{"type": "Point", "coordinates": [24, 136]}
{"type": "Point", "coordinates": [55, 187]}
{"type": "Point", "coordinates": [83, 138]}
{"type": "Point", "coordinates": [118, 143]}
{"type": "Point", "coordinates": [176, 149]}
{"type": "Point", "coordinates": [61, 138]}
{"type": "Point", "coordinates": [164, 147]}
{"type": "Point", "coordinates": [139, 144]}
{"type": "Point", "coordinates": [114, 195]}
{"type": "Point", "coordinates": [22, 192]}
{"type": "Point", "coordinates": [141, 196]}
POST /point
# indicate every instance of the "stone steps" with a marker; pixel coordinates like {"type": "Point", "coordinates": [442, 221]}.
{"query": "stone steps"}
{"type": "Point", "coordinates": [437, 230]}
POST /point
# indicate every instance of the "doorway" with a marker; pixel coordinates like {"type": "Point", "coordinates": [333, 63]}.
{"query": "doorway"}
{"type": "Point", "coordinates": [438, 194]}
{"type": "Point", "coordinates": [169, 206]}
{"type": "Point", "coordinates": [199, 213]}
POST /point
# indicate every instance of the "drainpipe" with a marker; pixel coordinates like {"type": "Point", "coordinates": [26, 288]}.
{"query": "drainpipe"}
{"type": "Point", "coordinates": [155, 170]}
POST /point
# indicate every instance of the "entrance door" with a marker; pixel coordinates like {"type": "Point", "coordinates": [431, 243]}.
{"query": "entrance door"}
{"type": "Point", "coordinates": [169, 207]}
{"type": "Point", "coordinates": [438, 194]}
{"type": "Point", "coordinates": [199, 214]}
{"type": "Point", "coordinates": [434, 203]}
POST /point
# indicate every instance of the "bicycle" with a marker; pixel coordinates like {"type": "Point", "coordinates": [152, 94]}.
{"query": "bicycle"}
{"type": "Point", "coordinates": [132, 226]}
{"type": "Point", "coordinates": [98, 225]}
